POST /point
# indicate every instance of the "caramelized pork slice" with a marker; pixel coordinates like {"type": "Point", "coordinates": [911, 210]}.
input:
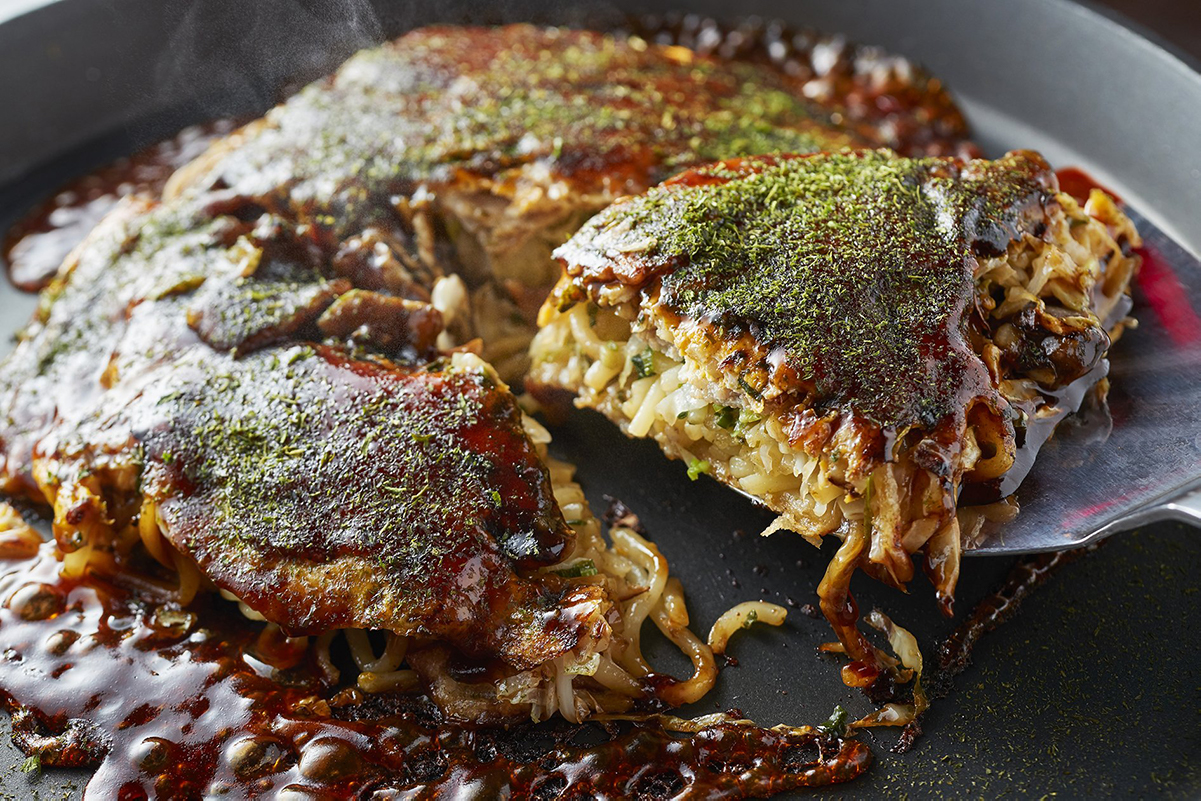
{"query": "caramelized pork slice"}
{"type": "Point", "coordinates": [64, 357]}
{"type": "Point", "coordinates": [325, 489]}
{"type": "Point", "coordinates": [851, 338]}
{"type": "Point", "coordinates": [154, 279]}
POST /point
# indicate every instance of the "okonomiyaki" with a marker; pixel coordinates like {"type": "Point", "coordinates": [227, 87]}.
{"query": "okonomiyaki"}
{"type": "Point", "coordinates": [279, 383]}
{"type": "Point", "coordinates": [266, 379]}
{"type": "Point", "coordinates": [873, 346]}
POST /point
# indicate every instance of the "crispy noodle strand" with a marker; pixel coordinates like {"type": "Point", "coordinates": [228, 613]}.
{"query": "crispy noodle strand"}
{"type": "Point", "coordinates": [743, 616]}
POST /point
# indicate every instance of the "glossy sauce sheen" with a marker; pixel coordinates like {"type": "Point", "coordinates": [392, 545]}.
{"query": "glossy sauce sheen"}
{"type": "Point", "coordinates": [885, 99]}
{"type": "Point", "coordinates": [34, 248]}
{"type": "Point", "coordinates": [182, 703]}
{"type": "Point", "coordinates": [893, 101]}
{"type": "Point", "coordinates": [1070, 398]}
{"type": "Point", "coordinates": [413, 491]}
{"type": "Point", "coordinates": [468, 104]}
{"type": "Point", "coordinates": [411, 496]}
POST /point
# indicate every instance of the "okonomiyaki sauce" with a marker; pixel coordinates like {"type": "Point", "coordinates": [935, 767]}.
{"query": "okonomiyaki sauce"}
{"type": "Point", "coordinates": [182, 703]}
{"type": "Point", "coordinates": [36, 245]}
{"type": "Point", "coordinates": [885, 97]}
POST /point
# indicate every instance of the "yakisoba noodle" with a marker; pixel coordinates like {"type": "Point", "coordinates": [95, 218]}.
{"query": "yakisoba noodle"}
{"type": "Point", "coordinates": [712, 315]}
{"type": "Point", "coordinates": [743, 616]}
{"type": "Point", "coordinates": [18, 540]}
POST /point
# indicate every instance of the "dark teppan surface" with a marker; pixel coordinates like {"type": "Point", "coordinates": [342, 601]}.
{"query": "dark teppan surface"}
{"type": "Point", "coordinates": [1091, 689]}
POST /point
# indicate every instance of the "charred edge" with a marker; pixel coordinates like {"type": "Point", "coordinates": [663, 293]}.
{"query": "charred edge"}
{"type": "Point", "coordinates": [618, 514]}
{"type": "Point", "coordinates": [76, 744]}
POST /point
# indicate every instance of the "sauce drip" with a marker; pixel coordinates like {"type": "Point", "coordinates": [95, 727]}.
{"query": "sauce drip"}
{"type": "Point", "coordinates": [1069, 399]}
{"type": "Point", "coordinates": [184, 703]}
{"type": "Point", "coordinates": [37, 244]}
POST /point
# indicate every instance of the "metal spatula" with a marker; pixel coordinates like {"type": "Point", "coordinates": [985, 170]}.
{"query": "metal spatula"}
{"type": "Point", "coordinates": [1098, 476]}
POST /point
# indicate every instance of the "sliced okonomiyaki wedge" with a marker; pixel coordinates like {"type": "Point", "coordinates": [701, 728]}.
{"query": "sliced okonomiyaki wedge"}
{"type": "Point", "coordinates": [187, 403]}
{"type": "Point", "coordinates": [864, 342]}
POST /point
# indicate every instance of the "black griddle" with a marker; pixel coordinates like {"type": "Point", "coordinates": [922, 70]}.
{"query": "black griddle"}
{"type": "Point", "coordinates": [1093, 690]}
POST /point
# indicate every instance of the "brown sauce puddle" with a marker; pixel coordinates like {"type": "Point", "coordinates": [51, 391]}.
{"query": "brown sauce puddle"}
{"type": "Point", "coordinates": [182, 703]}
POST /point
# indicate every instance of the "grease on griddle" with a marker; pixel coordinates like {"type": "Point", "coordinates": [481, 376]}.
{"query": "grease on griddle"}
{"type": "Point", "coordinates": [165, 701]}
